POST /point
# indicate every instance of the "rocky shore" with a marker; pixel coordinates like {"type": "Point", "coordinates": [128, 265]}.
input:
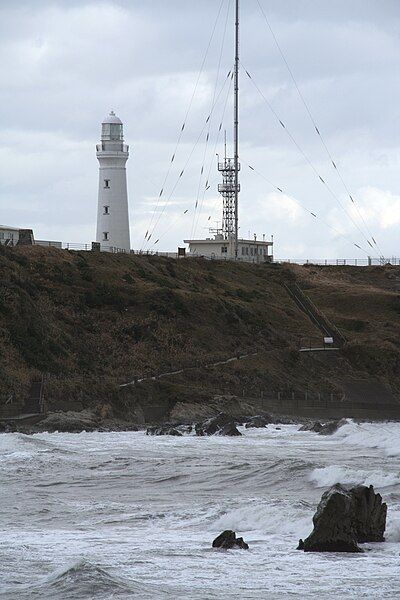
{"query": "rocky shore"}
{"type": "Point", "coordinates": [216, 422]}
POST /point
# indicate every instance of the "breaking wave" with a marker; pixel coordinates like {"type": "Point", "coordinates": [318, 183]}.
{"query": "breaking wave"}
{"type": "Point", "coordinates": [327, 476]}
{"type": "Point", "coordinates": [384, 436]}
{"type": "Point", "coordinates": [83, 580]}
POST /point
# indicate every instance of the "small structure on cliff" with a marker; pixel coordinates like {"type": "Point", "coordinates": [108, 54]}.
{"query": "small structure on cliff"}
{"type": "Point", "coordinates": [14, 236]}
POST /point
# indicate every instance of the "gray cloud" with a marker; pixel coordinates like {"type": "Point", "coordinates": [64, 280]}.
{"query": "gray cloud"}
{"type": "Point", "coordinates": [66, 64]}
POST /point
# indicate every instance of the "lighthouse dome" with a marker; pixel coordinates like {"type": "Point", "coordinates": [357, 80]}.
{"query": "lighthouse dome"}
{"type": "Point", "coordinates": [112, 118]}
{"type": "Point", "coordinates": [111, 128]}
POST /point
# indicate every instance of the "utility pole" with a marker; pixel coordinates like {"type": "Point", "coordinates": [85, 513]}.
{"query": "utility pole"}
{"type": "Point", "coordinates": [236, 127]}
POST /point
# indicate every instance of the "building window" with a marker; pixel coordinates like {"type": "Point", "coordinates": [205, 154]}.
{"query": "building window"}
{"type": "Point", "coordinates": [247, 250]}
{"type": "Point", "coordinates": [251, 250]}
{"type": "Point", "coordinates": [1, 235]}
{"type": "Point", "coordinates": [242, 250]}
{"type": "Point", "coordinates": [224, 249]}
{"type": "Point", "coordinates": [106, 210]}
{"type": "Point", "coordinates": [105, 236]}
{"type": "Point", "coordinates": [107, 183]}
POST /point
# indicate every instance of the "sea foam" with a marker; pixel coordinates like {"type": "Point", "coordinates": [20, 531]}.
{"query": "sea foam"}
{"type": "Point", "coordinates": [327, 476]}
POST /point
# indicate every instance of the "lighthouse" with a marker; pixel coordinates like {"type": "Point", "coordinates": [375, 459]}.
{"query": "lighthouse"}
{"type": "Point", "coordinates": [112, 210]}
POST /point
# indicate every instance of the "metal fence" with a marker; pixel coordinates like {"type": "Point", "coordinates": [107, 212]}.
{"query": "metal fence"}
{"type": "Point", "coordinates": [342, 262]}
{"type": "Point", "coordinates": [337, 262]}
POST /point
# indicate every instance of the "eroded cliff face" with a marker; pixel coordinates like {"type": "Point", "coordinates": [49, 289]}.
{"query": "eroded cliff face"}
{"type": "Point", "coordinates": [91, 322]}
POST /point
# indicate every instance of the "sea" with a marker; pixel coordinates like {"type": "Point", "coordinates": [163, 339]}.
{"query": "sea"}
{"type": "Point", "coordinates": [125, 515]}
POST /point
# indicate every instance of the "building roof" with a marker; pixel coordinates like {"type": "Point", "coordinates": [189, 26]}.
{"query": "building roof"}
{"type": "Point", "coordinates": [112, 118]}
{"type": "Point", "coordinates": [223, 241]}
{"type": "Point", "coordinates": [9, 228]}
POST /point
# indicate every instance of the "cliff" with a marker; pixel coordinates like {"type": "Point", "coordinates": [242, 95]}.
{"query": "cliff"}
{"type": "Point", "coordinates": [90, 322]}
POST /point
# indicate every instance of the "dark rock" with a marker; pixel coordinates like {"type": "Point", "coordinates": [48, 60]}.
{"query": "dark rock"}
{"type": "Point", "coordinates": [369, 514]}
{"type": "Point", "coordinates": [228, 540]}
{"type": "Point", "coordinates": [258, 421]}
{"type": "Point", "coordinates": [184, 428]}
{"type": "Point", "coordinates": [344, 518]}
{"type": "Point", "coordinates": [333, 524]}
{"type": "Point", "coordinates": [222, 424]}
{"type": "Point", "coordinates": [316, 426]}
{"type": "Point", "coordinates": [230, 429]}
{"type": "Point", "coordinates": [241, 544]}
{"type": "Point", "coordinates": [69, 422]}
{"type": "Point", "coordinates": [164, 430]}
{"type": "Point", "coordinates": [332, 426]}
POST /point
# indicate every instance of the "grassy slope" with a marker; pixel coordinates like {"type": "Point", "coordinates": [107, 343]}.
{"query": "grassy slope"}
{"type": "Point", "coordinates": [92, 321]}
{"type": "Point", "coordinates": [365, 304]}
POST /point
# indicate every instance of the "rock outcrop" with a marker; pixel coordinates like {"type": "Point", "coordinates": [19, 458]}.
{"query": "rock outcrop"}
{"type": "Point", "coordinates": [369, 514]}
{"type": "Point", "coordinates": [229, 429]}
{"type": "Point", "coordinates": [222, 424]}
{"type": "Point", "coordinates": [70, 422]}
{"type": "Point", "coordinates": [228, 540]}
{"type": "Point", "coordinates": [163, 430]}
{"type": "Point", "coordinates": [344, 518]}
{"type": "Point", "coordinates": [332, 427]}
{"type": "Point", "coordinates": [258, 421]}
{"type": "Point", "coordinates": [315, 426]}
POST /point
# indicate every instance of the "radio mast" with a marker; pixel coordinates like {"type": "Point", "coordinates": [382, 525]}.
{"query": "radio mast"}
{"type": "Point", "coordinates": [230, 167]}
{"type": "Point", "coordinates": [236, 127]}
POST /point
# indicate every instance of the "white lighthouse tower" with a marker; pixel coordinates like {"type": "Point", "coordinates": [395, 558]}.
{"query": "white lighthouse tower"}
{"type": "Point", "coordinates": [112, 211]}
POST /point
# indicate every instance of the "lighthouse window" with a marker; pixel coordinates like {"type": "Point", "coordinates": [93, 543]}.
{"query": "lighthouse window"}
{"type": "Point", "coordinates": [106, 210]}
{"type": "Point", "coordinates": [105, 236]}
{"type": "Point", "coordinates": [106, 183]}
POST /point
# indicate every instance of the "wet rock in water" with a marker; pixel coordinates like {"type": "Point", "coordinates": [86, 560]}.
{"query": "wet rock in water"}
{"type": "Point", "coordinates": [369, 514]}
{"type": "Point", "coordinates": [333, 524]}
{"type": "Point", "coordinates": [70, 422]}
{"type": "Point", "coordinates": [332, 426]}
{"type": "Point", "coordinates": [344, 518]}
{"type": "Point", "coordinates": [258, 421]}
{"type": "Point", "coordinates": [163, 430]}
{"type": "Point", "coordinates": [222, 424]}
{"type": "Point", "coordinates": [4, 427]}
{"type": "Point", "coordinates": [229, 429]}
{"type": "Point", "coordinates": [315, 426]}
{"type": "Point", "coordinates": [184, 428]}
{"type": "Point", "coordinates": [228, 540]}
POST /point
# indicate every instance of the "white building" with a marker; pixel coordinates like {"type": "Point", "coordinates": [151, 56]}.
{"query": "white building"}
{"type": "Point", "coordinates": [221, 247]}
{"type": "Point", "coordinates": [9, 236]}
{"type": "Point", "coordinates": [112, 212]}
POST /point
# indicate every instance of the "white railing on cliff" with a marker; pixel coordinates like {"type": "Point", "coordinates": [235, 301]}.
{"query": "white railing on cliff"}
{"type": "Point", "coordinates": [338, 262]}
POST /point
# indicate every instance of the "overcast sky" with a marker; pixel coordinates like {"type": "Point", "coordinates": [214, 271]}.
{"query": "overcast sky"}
{"type": "Point", "coordinates": [66, 64]}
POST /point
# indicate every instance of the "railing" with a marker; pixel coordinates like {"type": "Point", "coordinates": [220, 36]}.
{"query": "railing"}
{"type": "Point", "coordinates": [114, 148]}
{"type": "Point", "coordinates": [228, 165]}
{"type": "Point", "coordinates": [342, 262]}
{"type": "Point", "coordinates": [338, 262]}
{"type": "Point", "coordinates": [305, 303]}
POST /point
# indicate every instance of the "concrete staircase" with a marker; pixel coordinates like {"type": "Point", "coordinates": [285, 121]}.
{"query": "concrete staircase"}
{"type": "Point", "coordinates": [315, 315]}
